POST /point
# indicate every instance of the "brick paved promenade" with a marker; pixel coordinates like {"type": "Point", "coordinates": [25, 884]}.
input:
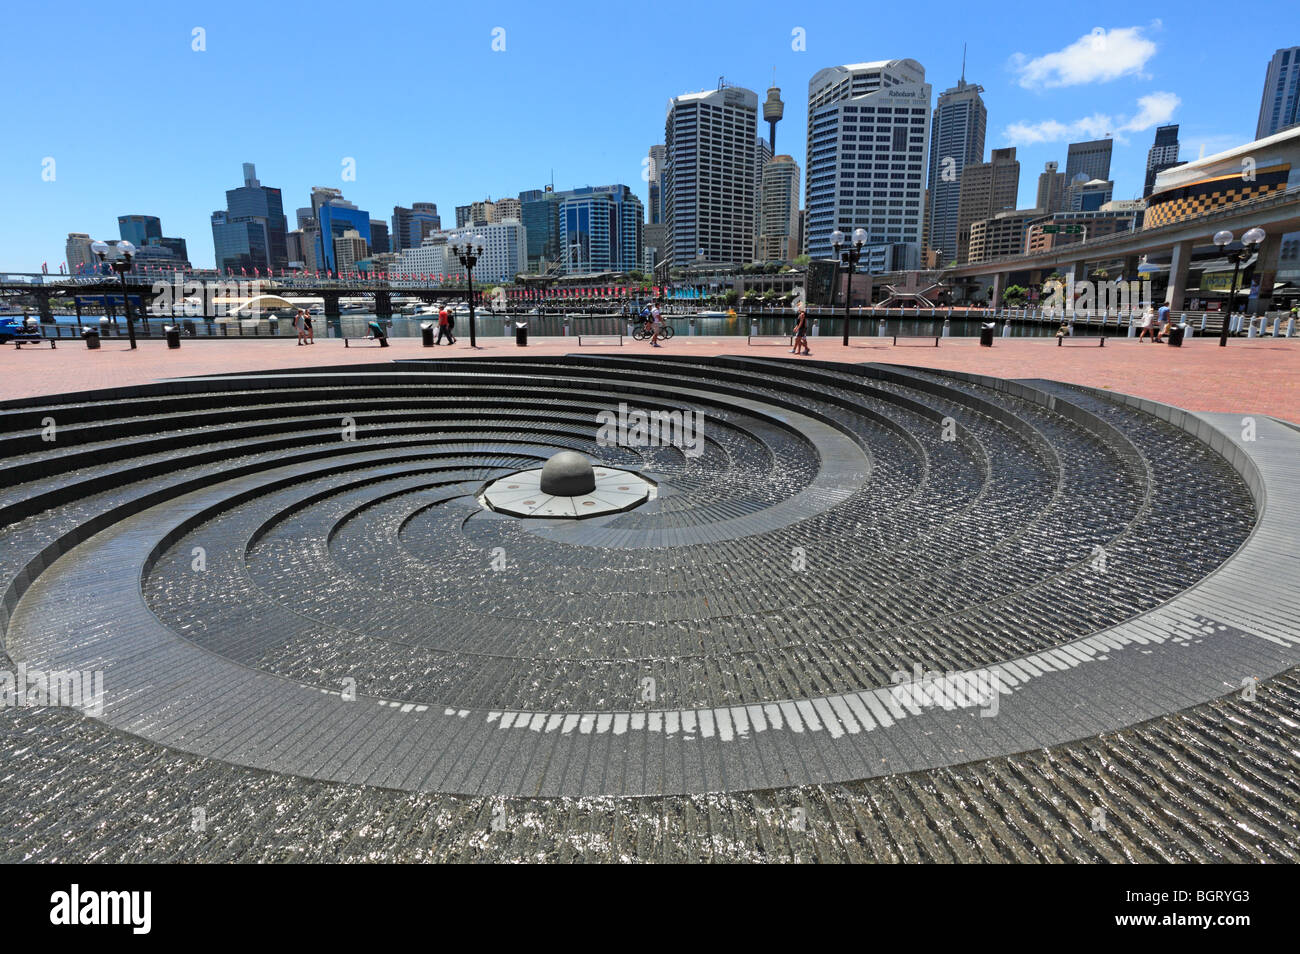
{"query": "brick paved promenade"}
{"type": "Point", "coordinates": [1260, 375]}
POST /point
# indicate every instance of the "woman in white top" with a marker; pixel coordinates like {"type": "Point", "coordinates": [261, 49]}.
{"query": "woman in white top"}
{"type": "Point", "coordinates": [1148, 325]}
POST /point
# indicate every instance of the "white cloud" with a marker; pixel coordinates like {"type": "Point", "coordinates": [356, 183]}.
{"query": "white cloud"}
{"type": "Point", "coordinates": [1098, 57]}
{"type": "Point", "coordinates": [1152, 110]}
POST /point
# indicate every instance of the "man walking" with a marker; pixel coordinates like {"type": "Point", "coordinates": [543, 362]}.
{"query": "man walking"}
{"type": "Point", "coordinates": [656, 323]}
{"type": "Point", "coordinates": [444, 326]}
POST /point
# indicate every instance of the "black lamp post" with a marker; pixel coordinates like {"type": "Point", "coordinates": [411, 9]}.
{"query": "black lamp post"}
{"type": "Point", "coordinates": [121, 265]}
{"type": "Point", "coordinates": [850, 256]}
{"type": "Point", "coordinates": [1250, 244]}
{"type": "Point", "coordinates": [467, 248]}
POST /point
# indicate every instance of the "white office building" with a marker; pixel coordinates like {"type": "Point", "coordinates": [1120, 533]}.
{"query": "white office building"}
{"type": "Point", "coordinates": [710, 190]}
{"type": "Point", "coordinates": [868, 135]}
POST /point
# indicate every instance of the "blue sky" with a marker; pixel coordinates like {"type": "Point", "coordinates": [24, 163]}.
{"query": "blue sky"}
{"type": "Point", "coordinates": [137, 121]}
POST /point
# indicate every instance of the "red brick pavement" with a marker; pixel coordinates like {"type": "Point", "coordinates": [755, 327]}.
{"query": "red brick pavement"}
{"type": "Point", "coordinates": [1248, 376]}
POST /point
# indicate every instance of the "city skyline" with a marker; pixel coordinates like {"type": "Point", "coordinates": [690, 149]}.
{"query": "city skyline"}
{"type": "Point", "coordinates": [1042, 91]}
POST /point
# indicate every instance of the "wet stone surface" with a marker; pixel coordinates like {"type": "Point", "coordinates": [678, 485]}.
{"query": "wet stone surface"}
{"type": "Point", "coordinates": [831, 531]}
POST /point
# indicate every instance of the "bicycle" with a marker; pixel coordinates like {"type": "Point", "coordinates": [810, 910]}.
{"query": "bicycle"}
{"type": "Point", "coordinates": [642, 332]}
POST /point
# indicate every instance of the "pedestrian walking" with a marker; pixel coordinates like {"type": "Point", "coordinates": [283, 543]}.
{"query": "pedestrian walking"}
{"type": "Point", "coordinates": [300, 326]}
{"type": "Point", "coordinates": [1148, 325]}
{"type": "Point", "coordinates": [444, 326]}
{"type": "Point", "coordinates": [1164, 320]}
{"type": "Point", "coordinates": [306, 320]}
{"type": "Point", "coordinates": [801, 330]}
{"type": "Point", "coordinates": [656, 324]}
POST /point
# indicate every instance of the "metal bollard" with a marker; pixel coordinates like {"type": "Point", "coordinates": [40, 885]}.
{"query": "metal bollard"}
{"type": "Point", "coordinates": [1006, 329]}
{"type": "Point", "coordinates": [816, 327]}
{"type": "Point", "coordinates": [1277, 327]}
{"type": "Point", "coordinates": [1290, 327]}
{"type": "Point", "coordinates": [1132, 327]}
{"type": "Point", "coordinates": [947, 329]}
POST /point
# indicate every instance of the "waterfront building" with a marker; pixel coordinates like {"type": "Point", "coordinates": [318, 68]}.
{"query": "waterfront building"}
{"type": "Point", "coordinates": [709, 198]}
{"type": "Point", "coordinates": [778, 236]}
{"type": "Point", "coordinates": [868, 131]}
{"type": "Point", "coordinates": [957, 129]}
{"type": "Point", "coordinates": [600, 229]}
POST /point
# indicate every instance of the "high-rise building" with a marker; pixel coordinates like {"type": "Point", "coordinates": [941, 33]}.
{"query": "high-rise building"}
{"type": "Point", "coordinates": [410, 226]}
{"type": "Point", "coordinates": [462, 216]}
{"type": "Point", "coordinates": [349, 248]}
{"type": "Point", "coordinates": [762, 156]}
{"type": "Point", "coordinates": [77, 252]}
{"type": "Point", "coordinates": [251, 232]}
{"type": "Point", "coordinates": [540, 215]}
{"type": "Point", "coordinates": [1162, 154]}
{"type": "Point", "coordinates": [139, 229]}
{"type": "Point", "coordinates": [987, 188]}
{"type": "Point", "coordinates": [1001, 235]}
{"type": "Point", "coordinates": [1091, 158]}
{"type": "Point", "coordinates": [1279, 106]}
{"type": "Point", "coordinates": [505, 251]}
{"type": "Point", "coordinates": [1088, 195]}
{"type": "Point", "coordinates": [956, 139]}
{"type": "Point", "coordinates": [868, 129]}
{"type": "Point", "coordinates": [656, 168]}
{"type": "Point", "coordinates": [709, 204]}
{"type": "Point", "coordinates": [504, 210]}
{"type": "Point", "coordinates": [600, 229]}
{"type": "Point", "coordinates": [378, 237]}
{"type": "Point", "coordinates": [481, 213]}
{"type": "Point", "coordinates": [335, 216]}
{"type": "Point", "coordinates": [778, 230]}
{"type": "Point", "coordinates": [294, 249]}
{"type": "Point", "coordinates": [1051, 188]}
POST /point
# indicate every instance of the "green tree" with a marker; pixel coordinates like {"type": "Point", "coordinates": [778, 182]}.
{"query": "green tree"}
{"type": "Point", "coordinates": [802, 260]}
{"type": "Point", "coordinates": [1015, 295]}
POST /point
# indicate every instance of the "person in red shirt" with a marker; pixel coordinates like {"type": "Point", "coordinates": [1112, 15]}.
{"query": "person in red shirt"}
{"type": "Point", "coordinates": [444, 326]}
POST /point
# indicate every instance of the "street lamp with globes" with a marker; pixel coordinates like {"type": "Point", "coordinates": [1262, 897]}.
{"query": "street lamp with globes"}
{"type": "Point", "coordinates": [850, 257]}
{"type": "Point", "coordinates": [121, 264]}
{"type": "Point", "coordinates": [1250, 243]}
{"type": "Point", "coordinates": [467, 248]}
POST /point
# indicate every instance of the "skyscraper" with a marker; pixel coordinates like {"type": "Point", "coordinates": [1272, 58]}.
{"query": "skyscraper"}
{"type": "Point", "coordinates": [1279, 106]}
{"type": "Point", "coordinates": [868, 128]}
{"type": "Point", "coordinates": [334, 216]}
{"type": "Point", "coordinates": [77, 252]}
{"type": "Point", "coordinates": [1161, 156]}
{"type": "Point", "coordinates": [410, 226]}
{"type": "Point", "coordinates": [1051, 188]}
{"type": "Point", "coordinates": [138, 229]}
{"type": "Point", "coordinates": [539, 213]}
{"type": "Point", "coordinates": [762, 156]}
{"type": "Point", "coordinates": [987, 188]}
{"type": "Point", "coordinates": [600, 229]}
{"type": "Point", "coordinates": [778, 229]}
{"type": "Point", "coordinates": [656, 168]}
{"type": "Point", "coordinates": [956, 139]}
{"type": "Point", "coordinates": [378, 236]}
{"type": "Point", "coordinates": [251, 232]}
{"type": "Point", "coordinates": [1091, 158]}
{"type": "Point", "coordinates": [709, 203]}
